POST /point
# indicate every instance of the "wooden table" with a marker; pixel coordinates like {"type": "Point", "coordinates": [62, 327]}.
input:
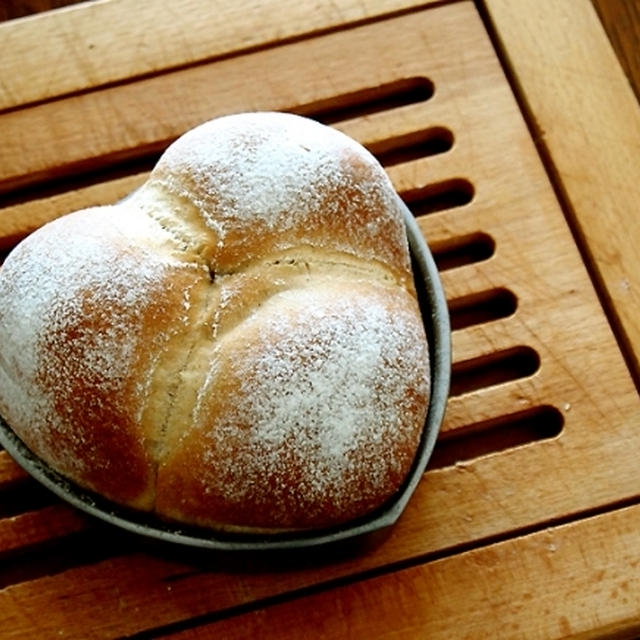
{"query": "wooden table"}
{"type": "Point", "coordinates": [512, 132]}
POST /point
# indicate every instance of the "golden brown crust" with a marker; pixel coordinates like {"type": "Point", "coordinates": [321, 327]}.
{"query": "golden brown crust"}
{"type": "Point", "coordinates": [88, 313]}
{"type": "Point", "coordinates": [265, 184]}
{"type": "Point", "coordinates": [236, 346]}
{"type": "Point", "coordinates": [308, 426]}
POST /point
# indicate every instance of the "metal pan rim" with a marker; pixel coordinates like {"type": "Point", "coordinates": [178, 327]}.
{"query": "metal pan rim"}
{"type": "Point", "coordinates": [436, 321]}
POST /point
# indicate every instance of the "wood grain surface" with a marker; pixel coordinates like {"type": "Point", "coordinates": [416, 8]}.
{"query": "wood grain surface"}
{"type": "Point", "coordinates": [589, 133]}
{"type": "Point", "coordinates": [621, 19]}
{"type": "Point", "coordinates": [12, 9]}
{"type": "Point", "coordinates": [89, 49]}
{"type": "Point", "coordinates": [520, 513]}
{"type": "Point", "coordinates": [574, 588]}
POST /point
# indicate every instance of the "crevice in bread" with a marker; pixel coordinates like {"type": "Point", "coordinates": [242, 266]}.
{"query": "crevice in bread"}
{"type": "Point", "coordinates": [178, 217]}
{"type": "Point", "coordinates": [219, 313]}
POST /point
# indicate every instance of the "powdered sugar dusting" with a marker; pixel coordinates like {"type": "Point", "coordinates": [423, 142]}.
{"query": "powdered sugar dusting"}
{"type": "Point", "coordinates": [330, 387]}
{"type": "Point", "coordinates": [273, 173]}
{"type": "Point", "coordinates": [74, 323]}
{"type": "Point", "coordinates": [328, 373]}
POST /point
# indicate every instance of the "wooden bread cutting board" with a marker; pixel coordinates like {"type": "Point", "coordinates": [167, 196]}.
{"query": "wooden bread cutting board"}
{"type": "Point", "coordinates": [542, 424]}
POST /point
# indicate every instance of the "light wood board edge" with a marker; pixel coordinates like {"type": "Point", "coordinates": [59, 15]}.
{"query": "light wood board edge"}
{"type": "Point", "coordinates": [621, 20]}
{"type": "Point", "coordinates": [582, 583]}
{"type": "Point", "coordinates": [586, 122]}
{"type": "Point", "coordinates": [89, 45]}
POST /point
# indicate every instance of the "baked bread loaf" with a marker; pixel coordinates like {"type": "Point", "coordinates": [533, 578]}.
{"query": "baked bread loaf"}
{"type": "Point", "coordinates": [237, 345]}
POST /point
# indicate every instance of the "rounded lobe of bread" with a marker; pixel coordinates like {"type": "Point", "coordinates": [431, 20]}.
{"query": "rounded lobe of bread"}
{"type": "Point", "coordinates": [87, 311]}
{"type": "Point", "coordinates": [268, 182]}
{"type": "Point", "coordinates": [310, 413]}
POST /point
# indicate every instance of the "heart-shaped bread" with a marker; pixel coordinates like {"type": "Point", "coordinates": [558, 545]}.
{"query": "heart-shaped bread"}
{"type": "Point", "coordinates": [237, 345]}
